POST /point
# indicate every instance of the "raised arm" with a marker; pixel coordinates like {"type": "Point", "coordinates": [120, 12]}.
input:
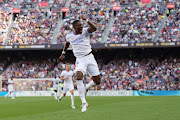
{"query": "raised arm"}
{"type": "Point", "coordinates": [66, 46]}
{"type": "Point", "coordinates": [92, 27]}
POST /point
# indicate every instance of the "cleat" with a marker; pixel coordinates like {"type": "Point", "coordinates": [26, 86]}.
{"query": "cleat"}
{"type": "Point", "coordinates": [84, 107]}
{"type": "Point", "coordinates": [87, 105]}
{"type": "Point", "coordinates": [73, 107]}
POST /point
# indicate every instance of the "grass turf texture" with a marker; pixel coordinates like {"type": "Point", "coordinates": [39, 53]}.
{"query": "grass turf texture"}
{"type": "Point", "coordinates": [101, 108]}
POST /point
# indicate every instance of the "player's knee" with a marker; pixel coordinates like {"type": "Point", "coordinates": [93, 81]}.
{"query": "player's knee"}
{"type": "Point", "coordinates": [79, 75]}
{"type": "Point", "coordinates": [64, 95]}
{"type": "Point", "coordinates": [97, 79]}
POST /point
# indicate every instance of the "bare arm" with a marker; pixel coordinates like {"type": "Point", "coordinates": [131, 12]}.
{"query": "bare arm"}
{"type": "Point", "coordinates": [92, 27]}
{"type": "Point", "coordinates": [66, 46]}
{"type": "Point", "coordinates": [62, 78]}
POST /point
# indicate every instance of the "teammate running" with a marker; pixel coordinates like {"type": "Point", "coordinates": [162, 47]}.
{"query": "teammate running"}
{"type": "Point", "coordinates": [55, 81]}
{"type": "Point", "coordinates": [67, 75]}
{"type": "Point", "coordinates": [10, 88]}
{"type": "Point", "coordinates": [85, 61]}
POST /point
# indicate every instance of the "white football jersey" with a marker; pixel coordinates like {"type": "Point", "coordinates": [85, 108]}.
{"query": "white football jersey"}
{"type": "Point", "coordinates": [80, 43]}
{"type": "Point", "coordinates": [55, 81]}
{"type": "Point", "coordinates": [10, 81]}
{"type": "Point", "coordinates": [67, 74]}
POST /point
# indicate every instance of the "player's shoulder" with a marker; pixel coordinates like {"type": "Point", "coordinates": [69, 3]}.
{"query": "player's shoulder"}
{"type": "Point", "coordinates": [69, 34]}
{"type": "Point", "coordinates": [64, 71]}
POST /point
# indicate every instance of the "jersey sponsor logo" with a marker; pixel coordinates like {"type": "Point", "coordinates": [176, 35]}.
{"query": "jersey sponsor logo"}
{"type": "Point", "coordinates": [78, 40]}
{"type": "Point", "coordinates": [69, 75]}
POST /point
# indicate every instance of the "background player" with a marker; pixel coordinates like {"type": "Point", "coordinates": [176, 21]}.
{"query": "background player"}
{"type": "Point", "coordinates": [85, 61]}
{"type": "Point", "coordinates": [55, 81]}
{"type": "Point", "coordinates": [10, 88]}
{"type": "Point", "coordinates": [67, 75]}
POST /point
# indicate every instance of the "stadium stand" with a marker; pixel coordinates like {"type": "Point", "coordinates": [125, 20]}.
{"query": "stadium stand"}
{"type": "Point", "coordinates": [5, 17]}
{"type": "Point", "coordinates": [170, 32]}
{"type": "Point", "coordinates": [118, 71]}
{"type": "Point", "coordinates": [136, 24]}
{"type": "Point", "coordinates": [98, 12]}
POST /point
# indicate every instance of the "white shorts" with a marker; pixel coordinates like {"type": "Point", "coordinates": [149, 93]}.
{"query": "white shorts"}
{"type": "Point", "coordinates": [55, 87]}
{"type": "Point", "coordinates": [87, 64]}
{"type": "Point", "coordinates": [67, 87]}
{"type": "Point", "coordinates": [10, 88]}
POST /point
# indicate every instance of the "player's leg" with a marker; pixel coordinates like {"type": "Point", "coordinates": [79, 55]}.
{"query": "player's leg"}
{"type": "Point", "coordinates": [7, 94]}
{"type": "Point", "coordinates": [94, 72]}
{"type": "Point", "coordinates": [12, 94]}
{"type": "Point", "coordinates": [81, 89]}
{"type": "Point", "coordinates": [81, 67]}
{"type": "Point", "coordinates": [63, 93]}
{"type": "Point", "coordinates": [72, 98]}
{"type": "Point", "coordinates": [55, 94]}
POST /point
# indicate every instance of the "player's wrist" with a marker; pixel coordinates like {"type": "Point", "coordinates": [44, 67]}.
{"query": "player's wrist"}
{"type": "Point", "coordinates": [63, 52]}
{"type": "Point", "coordinates": [87, 20]}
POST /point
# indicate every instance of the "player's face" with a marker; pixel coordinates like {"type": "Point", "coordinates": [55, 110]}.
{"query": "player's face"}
{"type": "Point", "coordinates": [79, 28]}
{"type": "Point", "coordinates": [67, 67]}
{"type": "Point", "coordinates": [11, 78]}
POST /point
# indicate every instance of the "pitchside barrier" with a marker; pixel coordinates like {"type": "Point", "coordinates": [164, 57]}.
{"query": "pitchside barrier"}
{"type": "Point", "coordinates": [43, 87]}
{"type": "Point", "coordinates": [99, 93]}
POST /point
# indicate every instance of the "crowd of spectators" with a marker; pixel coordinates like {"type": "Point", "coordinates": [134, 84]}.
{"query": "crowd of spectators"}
{"type": "Point", "coordinates": [171, 30]}
{"type": "Point", "coordinates": [5, 17]}
{"type": "Point", "coordinates": [36, 25]}
{"type": "Point", "coordinates": [97, 11]}
{"type": "Point", "coordinates": [118, 74]}
{"type": "Point", "coordinates": [29, 68]}
{"type": "Point", "coordinates": [33, 27]}
{"type": "Point", "coordinates": [137, 23]}
{"type": "Point", "coordinates": [129, 2]}
{"type": "Point", "coordinates": [133, 23]}
{"type": "Point", "coordinates": [126, 74]}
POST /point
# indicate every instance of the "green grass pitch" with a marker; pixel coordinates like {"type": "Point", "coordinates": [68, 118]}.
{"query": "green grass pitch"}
{"type": "Point", "coordinates": [101, 108]}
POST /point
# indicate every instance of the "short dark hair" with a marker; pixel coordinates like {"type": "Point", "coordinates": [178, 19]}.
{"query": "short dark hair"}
{"type": "Point", "coordinates": [75, 22]}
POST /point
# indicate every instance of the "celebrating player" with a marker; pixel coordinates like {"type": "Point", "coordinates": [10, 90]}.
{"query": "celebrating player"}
{"type": "Point", "coordinates": [10, 88]}
{"type": "Point", "coordinates": [67, 75]}
{"type": "Point", "coordinates": [55, 81]}
{"type": "Point", "coordinates": [85, 61]}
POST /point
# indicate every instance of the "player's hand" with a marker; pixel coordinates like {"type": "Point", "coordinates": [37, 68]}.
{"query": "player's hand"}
{"type": "Point", "coordinates": [62, 57]}
{"type": "Point", "coordinates": [82, 17]}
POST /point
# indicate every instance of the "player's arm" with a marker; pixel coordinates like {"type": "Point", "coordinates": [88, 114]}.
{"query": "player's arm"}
{"type": "Point", "coordinates": [92, 27]}
{"type": "Point", "coordinates": [63, 78]}
{"type": "Point", "coordinates": [66, 46]}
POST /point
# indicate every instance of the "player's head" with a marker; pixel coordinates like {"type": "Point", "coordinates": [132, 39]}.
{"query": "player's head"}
{"type": "Point", "coordinates": [67, 67]}
{"type": "Point", "coordinates": [78, 26]}
{"type": "Point", "coordinates": [11, 77]}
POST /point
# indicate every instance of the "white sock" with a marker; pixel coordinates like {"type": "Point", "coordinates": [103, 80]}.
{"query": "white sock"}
{"type": "Point", "coordinates": [91, 84]}
{"type": "Point", "coordinates": [81, 89]}
{"type": "Point", "coordinates": [12, 95]}
{"type": "Point", "coordinates": [72, 100]}
{"type": "Point", "coordinates": [61, 96]}
{"type": "Point", "coordinates": [55, 95]}
{"type": "Point", "coordinates": [7, 94]}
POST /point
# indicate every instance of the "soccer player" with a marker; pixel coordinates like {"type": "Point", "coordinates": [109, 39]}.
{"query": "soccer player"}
{"type": "Point", "coordinates": [55, 81]}
{"type": "Point", "coordinates": [85, 61]}
{"type": "Point", "coordinates": [10, 88]}
{"type": "Point", "coordinates": [67, 75]}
